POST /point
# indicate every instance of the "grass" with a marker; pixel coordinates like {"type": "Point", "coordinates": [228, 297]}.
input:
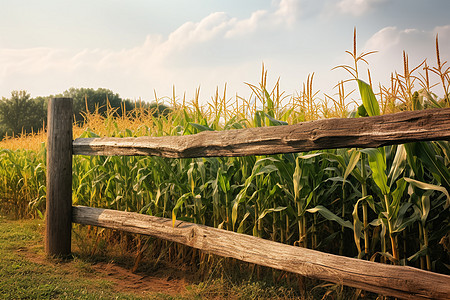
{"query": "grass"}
{"type": "Point", "coordinates": [26, 274]}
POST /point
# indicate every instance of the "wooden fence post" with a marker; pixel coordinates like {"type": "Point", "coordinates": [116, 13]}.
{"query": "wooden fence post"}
{"type": "Point", "coordinates": [59, 177]}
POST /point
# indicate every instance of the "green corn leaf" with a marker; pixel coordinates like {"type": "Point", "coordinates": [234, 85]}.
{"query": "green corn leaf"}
{"type": "Point", "coordinates": [270, 106]}
{"type": "Point", "coordinates": [308, 200]}
{"type": "Point", "coordinates": [397, 194]}
{"type": "Point", "coordinates": [177, 207]}
{"type": "Point", "coordinates": [428, 186]}
{"type": "Point", "coordinates": [412, 159]}
{"type": "Point", "coordinates": [445, 148]}
{"type": "Point", "coordinates": [258, 119]}
{"type": "Point", "coordinates": [237, 201]}
{"type": "Point", "coordinates": [354, 158]}
{"type": "Point", "coordinates": [270, 210]}
{"type": "Point", "coordinates": [222, 181]}
{"type": "Point", "coordinates": [297, 179]}
{"type": "Point", "coordinates": [266, 160]}
{"type": "Point", "coordinates": [255, 230]}
{"type": "Point", "coordinates": [241, 228]}
{"type": "Point", "coordinates": [330, 216]}
{"type": "Point", "coordinates": [368, 98]}
{"type": "Point", "coordinates": [398, 165]}
{"type": "Point", "coordinates": [40, 214]}
{"type": "Point", "coordinates": [358, 225]}
{"type": "Point", "coordinates": [266, 170]}
{"type": "Point", "coordinates": [426, 207]}
{"type": "Point", "coordinates": [191, 179]}
{"type": "Point", "coordinates": [428, 156]}
{"type": "Point", "coordinates": [376, 222]}
{"type": "Point", "coordinates": [340, 159]}
{"type": "Point", "coordinates": [88, 133]}
{"type": "Point", "coordinates": [275, 122]}
{"type": "Point", "coordinates": [377, 162]}
{"type": "Point", "coordinates": [308, 156]}
{"type": "Point", "coordinates": [402, 222]}
{"type": "Point", "coordinates": [422, 252]}
{"type": "Point", "coordinates": [433, 101]}
{"type": "Point", "coordinates": [128, 133]}
{"type": "Point", "coordinates": [361, 112]}
{"type": "Point", "coordinates": [201, 128]}
{"type": "Point", "coordinates": [286, 114]}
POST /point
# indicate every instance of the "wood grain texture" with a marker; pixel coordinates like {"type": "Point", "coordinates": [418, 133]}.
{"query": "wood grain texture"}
{"type": "Point", "coordinates": [404, 127]}
{"type": "Point", "coordinates": [59, 178]}
{"type": "Point", "coordinates": [397, 281]}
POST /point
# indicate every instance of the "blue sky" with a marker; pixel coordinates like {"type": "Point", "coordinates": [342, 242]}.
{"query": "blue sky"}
{"type": "Point", "coordinates": [136, 47]}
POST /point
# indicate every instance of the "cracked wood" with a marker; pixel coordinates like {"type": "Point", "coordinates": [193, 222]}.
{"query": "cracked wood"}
{"type": "Point", "coordinates": [399, 128]}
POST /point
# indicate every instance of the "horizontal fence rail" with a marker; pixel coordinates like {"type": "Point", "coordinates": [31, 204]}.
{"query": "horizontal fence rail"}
{"type": "Point", "coordinates": [397, 281]}
{"type": "Point", "coordinates": [366, 132]}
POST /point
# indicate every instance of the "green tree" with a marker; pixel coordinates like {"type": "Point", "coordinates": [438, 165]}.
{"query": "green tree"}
{"type": "Point", "coordinates": [90, 100]}
{"type": "Point", "coordinates": [21, 113]}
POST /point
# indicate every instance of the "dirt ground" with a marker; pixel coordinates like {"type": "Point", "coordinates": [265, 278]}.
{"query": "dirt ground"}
{"type": "Point", "coordinates": [167, 280]}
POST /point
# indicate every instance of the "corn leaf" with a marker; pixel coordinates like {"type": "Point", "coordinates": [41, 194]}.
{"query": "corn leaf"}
{"type": "Point", "coordinates": [297, 179]}
{"type": "Point", "coordinates": [422, 252]}
{"type": "Point", "coordinates": [177, 207]}
{"type": "Point", "coordinates": [270, 106]}
{"type": "Point", "coordinates": [428, 156]}
{"type": "Point", "coordinates": [377, 163]}
{"type": "Point", "coordinates": [368, 98]}
{"type": "Point", "coordinates": [402, 221]}
{"type": "Point", "coordinates": [270, 210]}
{"type": "Point", "coordinates": [357, 224]}
{"type": "Point", "coordinates": [398, 165]}
{"type": "Point", "coordinates": [200, 127]}
{"type": "Point", "coordinates": [330, 216]}
{"type": "Point", "coordinates": [428, 186]}
{"type": "Point", "coordinates": [241, 228]}
{"type": "Point", "coordinates": [273, 121]}
{"type": "Point", "coordinates": [354, 158]}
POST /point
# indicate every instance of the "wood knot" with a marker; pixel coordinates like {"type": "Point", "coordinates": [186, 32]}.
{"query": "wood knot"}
{"type": "Point", "coordinates": [192, 234]}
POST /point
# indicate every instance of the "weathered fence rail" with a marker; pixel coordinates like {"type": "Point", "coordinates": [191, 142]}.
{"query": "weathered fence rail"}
{"type": "Point", "coordinates": [376, 131]}
{"type": "Point", "coordinates": [397, 281]}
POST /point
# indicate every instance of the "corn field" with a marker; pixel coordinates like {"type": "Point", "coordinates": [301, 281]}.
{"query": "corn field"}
{"type": "Point", "coordinates": [389, 204]}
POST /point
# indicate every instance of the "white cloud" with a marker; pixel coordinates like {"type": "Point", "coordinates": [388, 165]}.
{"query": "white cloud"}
{"type": "Point", "coordinates": [390, 42]}
{"type": "Point", "coordinates": [213, 25]}
{"type": "Point", "coordinates": [357, 7]}
{"type": "Point", "coordinates": [418, 43]}
{"type": "Point", "coordinates": [184, 56]}
{"type": "Point", "coordinates": [247, 26]}
{"type": "Point", "coordinates": [288, 11]}
{"type": "Point", "coordinates": [386, 37]}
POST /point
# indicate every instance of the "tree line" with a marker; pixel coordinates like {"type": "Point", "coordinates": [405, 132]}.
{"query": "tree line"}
{"type": "Point", "coordinates": [23, 114]}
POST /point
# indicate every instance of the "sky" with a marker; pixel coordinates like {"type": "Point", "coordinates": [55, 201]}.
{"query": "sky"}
{"type": "Point", "coordinates": [138, 48]}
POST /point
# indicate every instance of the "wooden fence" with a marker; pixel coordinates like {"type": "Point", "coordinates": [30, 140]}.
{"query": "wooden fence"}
{"type": "Point", "coordinates": [397, 281]}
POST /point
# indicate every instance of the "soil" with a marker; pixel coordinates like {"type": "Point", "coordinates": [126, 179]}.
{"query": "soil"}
{"type": "Point", "coordinates": [166, 279]}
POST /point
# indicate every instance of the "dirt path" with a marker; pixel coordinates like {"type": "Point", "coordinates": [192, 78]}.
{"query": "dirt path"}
{"type": "Point", "coordinates": [166, 280]}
